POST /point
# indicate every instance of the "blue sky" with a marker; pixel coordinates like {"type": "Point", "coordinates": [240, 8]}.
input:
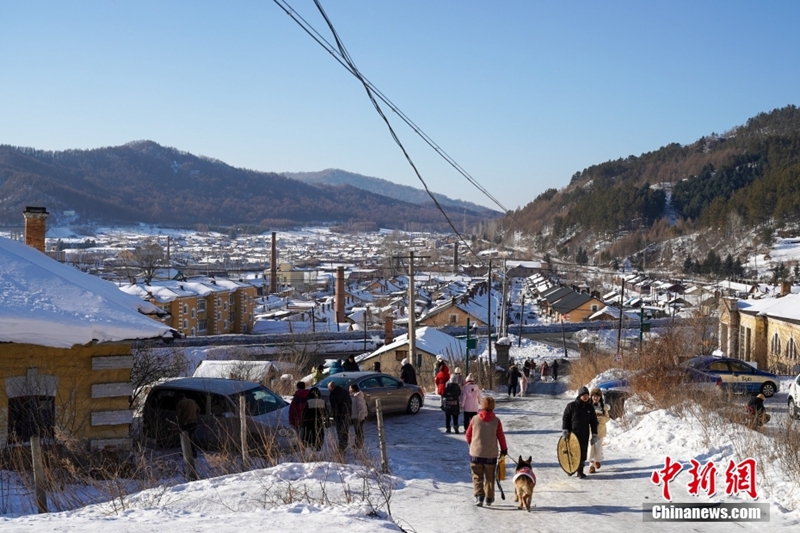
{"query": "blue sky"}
{"type": "Point", "coordinates": [522, 94]}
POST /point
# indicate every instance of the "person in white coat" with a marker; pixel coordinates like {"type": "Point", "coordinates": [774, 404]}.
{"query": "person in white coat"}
{"type": "Point", "coordinates": [470, 399]}
{"type": "Point", "coordinates": [596, 449]}
{"type": "Point", "coordinates": [358, 413]}
{"type": "Point", "coordinates": [460, 379]}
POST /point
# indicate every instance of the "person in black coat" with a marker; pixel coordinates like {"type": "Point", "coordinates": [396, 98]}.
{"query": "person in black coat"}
{"type": "Point", "coordinates": [757, 411]}
{"type": "Point", "coordinates": [314, 420]}
{"type": "Point", "coordinates": [580, 418]}
{"type": "Point", "coordinates": [450, 403]}
{"type": "Point", "coordinates": [407, 373]}
{"type": "Point", "coordinates": [341, 405]}
{"type": "Point", "coordinates": [512, 377]}
{"type": "Point", "coordinates": [350, 365]}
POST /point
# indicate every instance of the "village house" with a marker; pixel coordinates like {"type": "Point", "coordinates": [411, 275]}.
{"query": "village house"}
{"type": "Point", "coordinates": [66, 350]}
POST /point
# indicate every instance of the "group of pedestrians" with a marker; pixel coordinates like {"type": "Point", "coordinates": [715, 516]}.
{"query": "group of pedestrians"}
{"type": "Point", "coordinates": [308, 414]}
{"type": "Point", "coordinates": [585, 418]}
{"type": "Point", "coordinates": [460, 395]}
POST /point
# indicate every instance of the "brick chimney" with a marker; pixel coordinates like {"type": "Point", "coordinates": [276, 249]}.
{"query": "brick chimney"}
{"type": "Point", "coordinates": [388, 330]}
{"type": "Point", "coordinates": [35, 226]}
{"type": "Point", "coordinates": [273, 267]}
{"type": "Point", "coordinates": [340, 296]}
{"type": "Point", "coordinates": [786, 287]}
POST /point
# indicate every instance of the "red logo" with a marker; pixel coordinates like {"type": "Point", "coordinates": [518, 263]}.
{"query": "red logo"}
{"type": "Point", "coordinates": [739, 478]}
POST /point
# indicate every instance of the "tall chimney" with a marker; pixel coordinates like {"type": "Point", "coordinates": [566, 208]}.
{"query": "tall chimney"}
{"type": "Point", "coordinates": [273, 267]}
{"type": "Point", "coordinates": [455, 258]}
{"type": "Point", "coordinates": [339, 296]}
{"type": "Point", "coordinates": [388, 330]}
{"type": "Point", "coordinates": [35, 226]}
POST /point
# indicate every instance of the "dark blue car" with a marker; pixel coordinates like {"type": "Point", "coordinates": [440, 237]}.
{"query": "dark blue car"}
{"type": "Point", "coordinates": [736, 374]}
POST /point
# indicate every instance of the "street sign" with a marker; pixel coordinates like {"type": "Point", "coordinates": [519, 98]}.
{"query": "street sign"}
{"type": "Point", "coordinates": [472, 344]}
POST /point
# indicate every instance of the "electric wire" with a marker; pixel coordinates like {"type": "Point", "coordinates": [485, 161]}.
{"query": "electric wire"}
{"type": "Point", "coordinates": [341, 55]}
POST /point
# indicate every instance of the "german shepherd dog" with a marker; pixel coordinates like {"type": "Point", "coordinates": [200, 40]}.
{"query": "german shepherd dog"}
{"type": "Point", "coordinates": [524, 483]}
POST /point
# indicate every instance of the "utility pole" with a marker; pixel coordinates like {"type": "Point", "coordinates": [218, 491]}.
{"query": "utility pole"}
{"type": "Point", "coordinates": [489, 321]}
{"type": "Point", "coordinates": [412, 339]}
{"type": "Point", "coordinates": [621, 309]}
{"type": "Point", "coordinates": [503, 318]}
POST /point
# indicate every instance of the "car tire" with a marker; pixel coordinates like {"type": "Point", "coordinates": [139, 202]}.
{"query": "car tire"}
{"type": "Point", "coordinates": [792, 408]}
{"type": "Point", "coordinates": [414, 405]}
{"type": "Point", "coordinates": [768, 389]}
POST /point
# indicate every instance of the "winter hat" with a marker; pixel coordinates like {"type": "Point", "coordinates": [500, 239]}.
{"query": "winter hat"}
{"type": "Point", "coordinates": [582, 391]}
{"type": "Point", "coordinates": [470, 378]}
{"type": "Point", "coordinates": [761, 397]}
{"type": "Point", "coordinates": [596, 392]}
{"type": "Point", "coordinates": [457, 371]}
{"type": "Point", "coordinates": [487, 404]}
{"type": "Point", "coordinates": [439, 358]}
{"type": "Point", "coordinates": [404, 362]}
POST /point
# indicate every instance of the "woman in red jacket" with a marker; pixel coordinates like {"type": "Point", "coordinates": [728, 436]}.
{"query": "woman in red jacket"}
{"type": "Point", "coordinates": [485, 437]}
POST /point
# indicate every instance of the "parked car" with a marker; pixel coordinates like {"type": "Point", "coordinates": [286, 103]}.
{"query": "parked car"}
{"type": "Point", "coordinates": [793, 402]}
{"type": "Point", "coordinates": [218, 425]}
{"type": "Point", "coordinates": [737, 375]}
{"type": "Point", "coordinates": [691, 380]}
{"type": "Point", "coordinates": [395, 395]}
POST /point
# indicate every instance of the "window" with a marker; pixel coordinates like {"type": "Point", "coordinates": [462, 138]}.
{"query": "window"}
{"type": "Point", "coordinates": [776, 344]}
{"type": "Point", "coordinates": [201, 306]}
{"type": "Point", "coordinates": [719, 366]}
{"type": "Point", "coordinates": [231, 299]}
{"type": "Point", "coordinates": [29, 416]}
{"type": "Point", "coordinates": [741, 368]}
{"type": "Point", "coordinates": [231, 317]}
{"type": "Point", "coordinates": [791, 349]}
{"type": "Point", "coordinates": [193, 313]}
{"type": "Point", "coordinates": [744, 342]}
{"type": "Point", "coordinates": [202, 325]}
{"type": "Point", "coordinates": [193, 333]}
{"type": "Point", "coordinates": [399, 355]}
{"type": "Point", "coordinates": [370, 383]}
{"type": "Point", "coordinates": [454, 318]}
{"type": "Point", "coordinates": [185, 309]}
{"type": "Point", "coordinates": [390, 382]}
{"type": "Point", "coordinates": [185, 324]}
{"type": "Point", "coordinates": [225, 306]}
{"type": "Point", "coordinates": [225, 325]}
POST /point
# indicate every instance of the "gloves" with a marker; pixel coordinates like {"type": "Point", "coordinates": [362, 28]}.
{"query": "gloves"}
{"type": "Point", "coordinates": [565, 434]}
{"type": "Point", "coordinates": [503, 453]}
{"type": "Point", "coordinates": [594, 440]}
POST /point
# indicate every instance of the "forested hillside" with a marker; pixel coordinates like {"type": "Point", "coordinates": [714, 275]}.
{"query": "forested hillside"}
{"type": "Point", "coordinates": [750, 173]}
{"type": "Point", "coordinates": [145, 182]}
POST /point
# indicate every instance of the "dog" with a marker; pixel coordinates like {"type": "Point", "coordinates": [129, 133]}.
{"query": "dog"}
{"type": "Point", "coordinates": [524, 483]}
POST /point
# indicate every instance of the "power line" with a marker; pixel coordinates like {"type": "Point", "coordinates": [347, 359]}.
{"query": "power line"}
{"type": "Point", "coordinates": [341, 55]}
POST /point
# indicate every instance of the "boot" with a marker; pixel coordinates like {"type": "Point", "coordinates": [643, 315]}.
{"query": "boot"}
{"type": "Point", "coordinates": [448, 430]}
{"type": "Point", "coordinates": [456, 429]}
{"type": "Point", "coordinates": [592, 469]}
{"type": "Point", "coordinates": [597, 465]}
{"type": "Point", "coordinates": [581, 475]}
{"type": "Point", "coordinates": [479, 501]}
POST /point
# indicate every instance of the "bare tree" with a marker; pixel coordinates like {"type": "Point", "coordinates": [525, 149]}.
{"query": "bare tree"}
{"type": "Point", "coordinates": [151, 364]}
{"type": "Point", "coordinates": [148, 257]}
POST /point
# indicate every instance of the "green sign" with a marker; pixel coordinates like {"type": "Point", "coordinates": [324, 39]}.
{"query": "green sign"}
{"type": "Point", "coordinates": [472, 344]}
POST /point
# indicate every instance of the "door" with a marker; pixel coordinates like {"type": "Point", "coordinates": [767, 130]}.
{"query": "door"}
{"type": "Point", "coordinates": [396, 393]}
{"type": "Point", "coordinates": [372, 388]}
{"type": "Point", "coordinates": [745, 376]}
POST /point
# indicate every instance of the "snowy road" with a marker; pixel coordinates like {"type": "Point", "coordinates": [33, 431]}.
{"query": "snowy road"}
{"type": "Point", "coordinates": [438, 495]}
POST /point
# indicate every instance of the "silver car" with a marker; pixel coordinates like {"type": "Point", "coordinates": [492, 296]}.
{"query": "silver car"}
{"type": "Point", "coordinates": [218, 424]}
{"type": "Point", "coordinates": [395, 396]}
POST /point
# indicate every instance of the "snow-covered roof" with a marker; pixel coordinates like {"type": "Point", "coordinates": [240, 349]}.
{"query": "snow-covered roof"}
{"type": "Point", "coordinates": [786, 307]}
{"type": "Point", "coordinates": [430, 340]}
{"type": "Point", "coordinates": [47, 303]}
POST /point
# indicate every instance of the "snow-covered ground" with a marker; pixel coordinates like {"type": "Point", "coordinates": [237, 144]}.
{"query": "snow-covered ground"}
{"type": "Point", "coordinates": [429, 489]}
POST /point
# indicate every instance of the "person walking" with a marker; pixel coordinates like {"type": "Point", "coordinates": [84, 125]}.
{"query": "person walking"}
{"type": "Point", "coordinates": [318, 374]}
{"type": "Point", "coordinates": [470, 399]}
{"type": "Point", "coordinates": [359, 414]}
{"type": "Point", "coordinates": [523, 378]}
{"type": "Point", "coordinates": [439, 366]}
{"type": "Point", "coordinates": [596, 449]}
{"type": "Point", "coordinates": [407, 373]}
{"type": "Point", "coordinates": [512, 380]}
{"type": "Point", "coordinates": [460, 379]}
{"type": "Point", "coordinates": [440, 381]}
{"type": "Point", "coordinates": [297, 405]}
{"type": "Point", "coordinates": [485, 437]}
{"type": "Point", "coordinates": [554, 368]}
{"type": "Point", "coordinates": [187, 413]}
{"type": "Point", "coordinates": [350, 365]}
{"type": "Point", "coordinates": [342, 406]}
{"type": "Point", "coordinates": [543, 371]}
{"type": "Point", "coordinates": [579, 419]}
{"type": "Point", "coordinates": [314, 420]}
{"type": "Point", "coordinates": [451, 401]}
{"type": "Point", "coordinates": [335, 367]}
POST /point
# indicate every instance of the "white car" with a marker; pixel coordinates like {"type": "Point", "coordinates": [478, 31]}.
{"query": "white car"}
{"type": "Point", "coordinates": [794, 398]}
